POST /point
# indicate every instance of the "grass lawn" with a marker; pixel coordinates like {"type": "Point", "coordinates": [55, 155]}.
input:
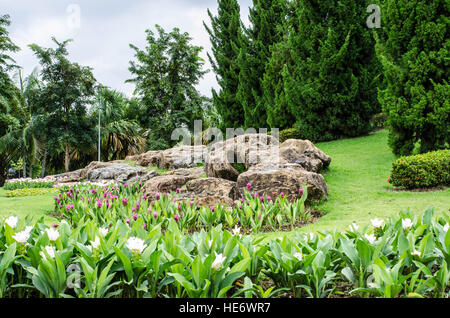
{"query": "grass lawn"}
{"type": "Point", "coordinates": [358, 190]}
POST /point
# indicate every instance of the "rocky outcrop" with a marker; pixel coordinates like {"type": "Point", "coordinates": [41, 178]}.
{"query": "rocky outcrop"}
{"type": "Point", "coordinates": [182, 157]}
{"type": "Point", "coordinates": [304, 153]}
{"type": "Point", "coordinates": [121, 174]}
{"type": "Point", "coordinates": [287, 180]}
{"type": "Point", "coordinates": [195, 173]}
{"type": "Point", "coordinates": [148, 159]}
{"type": "Point", "coordinates": [209, 187]}
{"type": "Point", "coordinates": [165, 184]}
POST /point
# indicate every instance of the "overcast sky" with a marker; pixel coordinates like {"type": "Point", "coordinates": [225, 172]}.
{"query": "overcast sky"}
{"type": "Point", "coordinates": [105, 29]}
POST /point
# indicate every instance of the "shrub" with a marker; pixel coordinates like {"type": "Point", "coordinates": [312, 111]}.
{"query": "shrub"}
{"type": "Point", "coordinates": [29, 192]}
{"type": "Point", "coordinates": [422, 171]}
{"type": "Point", "coordinates": [290, 133]}
{"type": "Point", "coordinates": [378, 121]}
{"type": "Point", "coordinates": [28, 183]}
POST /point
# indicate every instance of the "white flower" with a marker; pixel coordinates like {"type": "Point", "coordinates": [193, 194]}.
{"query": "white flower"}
{"type": "Point", "coordinates": [52, 234]}
{"type": "Point", "coordinates": [12, 221]}
{"type": "Point", "coordinates": [372, 285]}
{"type": "Point", "coordinates": [50, 251]}
{"type": "Point", "coordinates": [95, 243]}
{"type": "Point", "coordinates": [236, 230]}
{"type": "Point", "coordinates": [298, 256]}
{"type": "Point", "coordinates": [136, 245]}
{"type": "Point", "coordinates": [103, 231]}
{"type": "Point", "coordinates": [371, 238]}
{"type": "Point", "coordinates": [376, 223]}
{"type": "Point", "coordinates": [28, 229]}
{"type": "Point", "coordinates": [446, 227]}
{"type": "Point", "coordinates": [353, 227]}
{"type": "Point", "coordinates": [22, 237]}
{"type": "Point", "coordinates": [407, 224]}
{"type": "Point", "coordinates": [218, 261]}
{"type": "Point", "coordinates": [417, 253]}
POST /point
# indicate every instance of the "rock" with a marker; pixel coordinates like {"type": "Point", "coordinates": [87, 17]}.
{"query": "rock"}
{"type": "Point", "coordinates": [250, 150]}
{"type": "Point", "coordinates": [195, 173]}
{"type": "Point", "coordinates": [120, 173]}
{"type": "Point", "coordinates": [182, 157]}
{"type": "Point", "coordinates": [165, 184]}
{"type": "Point", "coordinates": [209, 187]}
{"type": "Point", "coordinates": [68, 177]}
{"type": "Point", "coordinates": [288, 180]}
{"type": "Point", "coordinates": [304, 153]}
{"type": "Point", "coordinates": [148, 159]}
{"type": "Point", "coordinates": [93, 166]}
{"type": "Point", "coordinates": [209, 201]}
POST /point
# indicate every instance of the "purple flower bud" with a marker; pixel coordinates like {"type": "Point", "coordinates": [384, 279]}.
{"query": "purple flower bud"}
{"type": "Point", "coordinates": [261, 198]}
{"type": "Point", "coordinates": [178, 190]}
{"type": "Point", "coordinates": [135, 216]}
{"type": "Point", "coordinates": [300, 191]}
{"type": "Point", "coordinates": [269, 198]}
{"type": "Point", "coordinates": [144, 225]}
{"type": "Point", "coordinates": [179, 207]}
{"type": "Point", "coordinates": [157, 196]}
{"type": "Point", "coordinates": [155, 214]}
{"type": "Point", "coordinates": [282, 195]}
{"type": "Point", "coordinates": [249, 186]}
{"type": "Point", "coordinates": [54, 226]}
{"type": "Point", "coordinates": [62, 215]}
{"type": "Point", "coordinates": [211, 208]}
{"type": "Point", "coordinates": [176, 217]}
{"type": "Point", "coordinates": [127, 220]}
{"type": "Point", "coordinates": [125, 202]}
{"type": "Point", "coordinates": [259, 216]}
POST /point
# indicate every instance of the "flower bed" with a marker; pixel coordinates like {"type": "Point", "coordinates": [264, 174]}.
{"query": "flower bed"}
{"type": "Point", "coordinates": [107, 204]}
{"type": "Point", "coordinates": [404, 256]}
{"type": "Point", "coordinates": [28, 192]}
{"type": "Point", "coordinates": [27, 183]}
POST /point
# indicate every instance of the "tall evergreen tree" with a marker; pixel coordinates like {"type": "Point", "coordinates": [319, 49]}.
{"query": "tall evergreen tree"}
{"type": "Point", "coordinates": [331, 78]}
{"type": "Point", "coordinates": [414, 52]}
{"type": "Point", "coordinates": [225, 35]}
{"type": "Point", "coordinates": [256, 42]}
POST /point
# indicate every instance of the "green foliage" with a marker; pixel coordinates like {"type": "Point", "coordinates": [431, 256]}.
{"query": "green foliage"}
{"type": "Point", "coordinates": [225, 34]}
{"type": "Point", "coordinates": [166, 73]}
{"type": "Point", "coordinates": [414, 52]}
{"type": "Point", "coordinates": [290, 133]}
{"type": "Point", "coordinates": [378, 121]}
{"type": "Point", "coordinates": [325, 72]}
{"type": "Point", "coordinates": [28, 184]}
{"type": "Point", "coordinates": [28, 192]}
{"type": "Point", "coordinates": [422, 171]}
{"type": "Point", "coordinates": [256, 42]}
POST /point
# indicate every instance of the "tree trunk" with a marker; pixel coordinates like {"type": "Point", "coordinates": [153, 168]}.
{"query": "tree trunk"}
{"type": "Point", "coordinates": [24, 159]}
{"type": "Point", "coordinates": [2, 178]}
{"type": "Point", "coordinates": [44, 162]}
{"type": "Point", "coordinates": [67, 159]}
{"type": "Point", "coordinates": [31, 170]}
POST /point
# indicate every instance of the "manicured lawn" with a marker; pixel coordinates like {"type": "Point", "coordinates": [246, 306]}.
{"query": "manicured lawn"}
{"type": "Point", "coordinates": [37, 206]}
{"type": "Point", "coordinates": [356, 179]}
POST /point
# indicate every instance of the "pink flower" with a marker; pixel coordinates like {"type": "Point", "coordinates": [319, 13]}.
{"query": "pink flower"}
{"type": "Point", "coordinates": [211, 208]}
{"type": "Point", "coordinates": [259, 216]}
{"type": "Point", "coordinates": [300, 191]}
{"type": "Point", "coordinates": [62, 215]}
{"type": "Point", "coordinates": [124, 201]}
{"type": "Point", "coordinates": [99, 204]}
{"type": "Point", "coordinates": [269, 198]}
{"type": "Point", "coordinates": [127, 220]}
{"type": "Point", "coordinates": [145, 225]}
{"type": "Point", "coordinates": [179, 207]}
{"type": "Point", "coordinates": [191, 203]}
{"type": "Point", "coordinates": [282, 195]}
{"type": "Point", "coordinates": [155, 214]}
{"type": "Point", "coordinates": [261, 198]}
{"type": "Point", "coordinates": [249, 186]}
{"type": "Point", "coordinates": [242, 200]}
{"type": "Point", "coordinates": [174, 200]}
{"type": "Point", "coordinates": [135, 216]}
{"type": "Point", "coordinates": [54, 226]}
{"type": "Point", "coordinates": [125, 185]}
{"type": "Point", "coordinates": [133, 209]}
{"type": "Point", "coordinates": [94, 191]}
{"type": "Point", "coordinates": [158, 196]}
{"type": "Point", "coordinates": [178, 190]}
{"type": "Point", "coordinates": [176, 217]}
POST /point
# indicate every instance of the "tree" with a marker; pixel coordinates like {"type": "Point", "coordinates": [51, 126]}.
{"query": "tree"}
{"type": "Point", "coordinates": [225, 33]}
{"type": "Point", "coordinates": [256, 42]}
{"type": "Point", "coordinates": [120, 137]}
{"type": "Point", "coordinates": [9, 100]}
{"type": "Point", "coordinates": [67, 90]}
{"type": "Point", "coordinates": [166, 73]}
{"type": "Point", "coordinates": [414, 51]}
{"type": "Point", "coordinates": [330, 80]}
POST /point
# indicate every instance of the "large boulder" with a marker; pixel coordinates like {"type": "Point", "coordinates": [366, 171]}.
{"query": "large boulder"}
{"type": "Point", "coordinates": [249, 150]}
{"type": "Point", "coordinates": [182, 157]}
{"type": "Point", "coordinates": [120, 173]}
{"type": "Point", "coordinates": [288, 180]}
{"type": "Point", "coordinates": [194, 173]}
{"type": "Point", "coordinates": [165, 184]}
{"type": "Point", "coordinates": [148, 159]}
{"type": "Point", "coordinates": [211, 187]}
{"type": "Point", "coordinates": [304, 153]}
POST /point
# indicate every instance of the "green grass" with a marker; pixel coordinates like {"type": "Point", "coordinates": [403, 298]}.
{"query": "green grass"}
{"type": "Point", "coordinates": [358, 190]}
{"type": "Point", "coordinates": [36, 206]}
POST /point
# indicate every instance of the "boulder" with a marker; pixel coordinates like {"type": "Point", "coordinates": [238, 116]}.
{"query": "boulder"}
{"type": "Point", "coordinates": [249, 150]}
{"type": "Point", "coordinates": [288, 180]}
{"type": "Point", "coordinates": [182, 157]}
{"type": "Point", "coordinates": [211, 187]}
{"type": "Point", "coordinates": [120, 173]}
{"type": "Point", "coordinates": [304, 153]}
{"type": "Point", "coordinates": [208, 201]}
{"type": "Point", "coordinates": [165, 184]}
{"type": "Point", "coordinates": [148, 159]}
{"type": "Point", "coordinates": [195, 173]}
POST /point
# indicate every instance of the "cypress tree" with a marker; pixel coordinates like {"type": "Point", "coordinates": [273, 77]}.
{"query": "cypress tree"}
{"type": "Point", "coordinates": [224, 35]}
{"type": "Point", "coordinates": [330, 83]}
{"type": "Point", "coordinates": [256, 44]}
{"type": "Point", "coordinates": [414, 51]}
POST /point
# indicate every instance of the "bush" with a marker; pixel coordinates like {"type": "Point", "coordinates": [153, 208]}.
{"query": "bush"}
{"type": "Point", "coordinates": [378, 121]}
{"type": "Point", "coordinates": [28, 183]}
{"type": "Point", "coordinates": [29, 192]}
{"type": "Point", "coordinates": [290, 133]}
{"type": "Point", "coordinates": [422, 171]}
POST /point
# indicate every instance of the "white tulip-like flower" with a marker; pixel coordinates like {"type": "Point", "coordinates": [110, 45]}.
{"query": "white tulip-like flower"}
{"type": "Point", "coordinates": [407, 224]}
{"type": "Point", "coordinates": [353, 227]}
{"type": "Point", "coordinates": [371, 238]}
{"type": "Point", "coordinates": [236, 230]}
{"type": "Point", "coordinates": [50, 251]}
{"type": "Point", "coordinates": [22, 237]}
{"type": "Point", "coordinates": [95, 243]}
{"type": "Point", "coordinates": [417, 253]}
{"type": "Point", "coordinates": [52, 234]}
{"type": "Point", "coordinates": [28, 229]}
{"type": "Point", "coordinates": [136, 245]}
{"type": "Point", "coordinates": [446, 227]}
{"type": "Point", "coordinates": [376, 223]}
{"type": "Point", "coordinates": [298, 256]}
{"type": "Point", "coordinates": [103, 231]}
{"type": "Point", "coordinates": [218, 262]}
{"type": "Point", "coordinates": [12, 221]}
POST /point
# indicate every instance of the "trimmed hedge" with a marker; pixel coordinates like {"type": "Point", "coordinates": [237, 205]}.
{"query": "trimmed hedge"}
{"type": "Point", "coordinates": [422, 171]}
{"type": "Point", "coordinates": [291, 133]}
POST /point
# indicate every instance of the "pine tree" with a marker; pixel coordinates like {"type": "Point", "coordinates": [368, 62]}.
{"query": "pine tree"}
{"type": "Point", "coordinates": [256, 45]}
{"type": "Point", "coordinates": [331, 75]}
{"type": "Point", "coordinates": [224, 35]}
{"type": "Point", "coordinates": [414, 52]}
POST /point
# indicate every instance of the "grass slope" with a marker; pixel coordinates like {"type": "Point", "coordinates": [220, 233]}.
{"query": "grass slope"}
{"type": "Point", "coordinates": [358, 190]}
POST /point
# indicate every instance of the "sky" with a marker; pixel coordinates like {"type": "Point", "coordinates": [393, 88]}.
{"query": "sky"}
{"type": "Point", "coordinates": [103, 29]}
